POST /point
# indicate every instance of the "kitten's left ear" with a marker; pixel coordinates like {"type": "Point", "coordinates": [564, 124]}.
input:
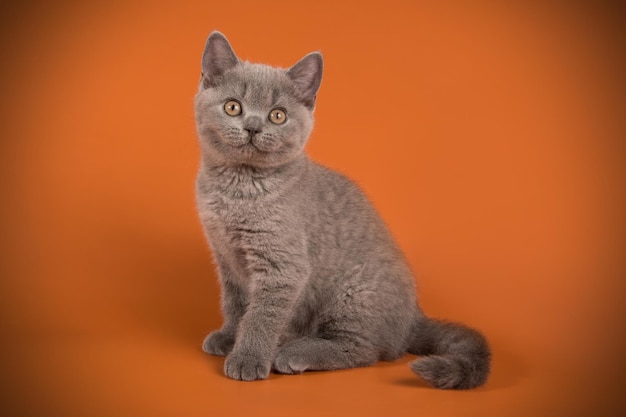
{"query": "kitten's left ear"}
{"type": "Point", "coordinates": [218, 57]}
{"type": "Point", "coordinates": [307, 76]}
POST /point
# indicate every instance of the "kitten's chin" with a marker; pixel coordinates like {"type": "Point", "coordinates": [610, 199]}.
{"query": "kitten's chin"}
{"type": "Point", "coordinates": [251, 155]}
{"type": "Point", "coordinates": [246, 150]}
{"type": "Point", "coordinates": [265, 146]}
{"type": "Point", "coordinates": [254, 145]}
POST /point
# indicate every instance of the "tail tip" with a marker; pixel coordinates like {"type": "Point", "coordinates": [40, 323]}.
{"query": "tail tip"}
{"type": "Point", "coordinates": [450, 372]}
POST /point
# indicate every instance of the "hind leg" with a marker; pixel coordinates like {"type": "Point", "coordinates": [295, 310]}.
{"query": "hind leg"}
{"type": "Point", "coordinates": [317, 354]}
{"type": "Point", "coordinates": [356, 328]}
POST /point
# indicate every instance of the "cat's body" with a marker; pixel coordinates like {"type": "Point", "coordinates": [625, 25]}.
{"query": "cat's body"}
{"type": "Point", "coordinates": [311, 278]}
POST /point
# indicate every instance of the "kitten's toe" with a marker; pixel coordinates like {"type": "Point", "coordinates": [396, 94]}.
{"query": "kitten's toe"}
{"type": "Point", "coordinates": [246, 367]}
{"type": "Point", "coordinates": [218, 343]}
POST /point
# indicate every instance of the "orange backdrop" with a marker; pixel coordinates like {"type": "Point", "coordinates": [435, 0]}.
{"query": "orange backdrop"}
{"type": "Point", "coordinates": [491, 136]}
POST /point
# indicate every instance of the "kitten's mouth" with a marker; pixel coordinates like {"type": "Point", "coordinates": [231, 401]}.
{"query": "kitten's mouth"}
{"type": "Point", "coordinates": [251, 147]}
{"type": "Point", "coordinates": [252, 143]}
{"type": "Point", "coordinates": [258, 146]}
{"type": "Point", "coordinates": [244, 145]}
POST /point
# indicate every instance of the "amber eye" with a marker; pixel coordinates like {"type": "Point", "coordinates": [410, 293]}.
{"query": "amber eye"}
{"type": "Point", "coordinates": [232, 108]}
{"type": "Point", "coordinates": [278, 116]}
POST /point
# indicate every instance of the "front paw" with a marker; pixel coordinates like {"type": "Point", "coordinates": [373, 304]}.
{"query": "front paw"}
{"type": "Point", "coordinates": [246, 367]}
{"type": "Point", "coordinates": [218, 343]}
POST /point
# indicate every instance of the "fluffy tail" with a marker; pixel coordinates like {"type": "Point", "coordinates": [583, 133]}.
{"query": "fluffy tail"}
{"type": "Point", "coordinates": [455, 356]}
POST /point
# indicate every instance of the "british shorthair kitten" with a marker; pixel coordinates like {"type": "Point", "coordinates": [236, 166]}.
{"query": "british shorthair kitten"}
{"type": "Point", "coordinates": [311, 278]}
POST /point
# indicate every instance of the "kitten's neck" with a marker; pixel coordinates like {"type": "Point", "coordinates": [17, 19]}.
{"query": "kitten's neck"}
{"type": "Point", "coordinates": [242, 181]}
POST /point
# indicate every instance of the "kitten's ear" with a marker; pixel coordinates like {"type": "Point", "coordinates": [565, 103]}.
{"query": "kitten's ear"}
{"type": "Point", "coordinates": [307, 76]}
{"type": "Point", "coordinates": [218, 57]}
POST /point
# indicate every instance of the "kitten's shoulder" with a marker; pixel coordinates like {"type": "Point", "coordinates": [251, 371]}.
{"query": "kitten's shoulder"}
{"type": "Point", "coordinates": [331, 181]}
{"type": "Point", "coordinates": [329, 175]}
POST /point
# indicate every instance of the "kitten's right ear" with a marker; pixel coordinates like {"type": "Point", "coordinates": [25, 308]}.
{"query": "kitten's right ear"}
{"type": "Point", "coordinates": [218, 57]}
{"type": "Point", "coordinates": [307, 76]}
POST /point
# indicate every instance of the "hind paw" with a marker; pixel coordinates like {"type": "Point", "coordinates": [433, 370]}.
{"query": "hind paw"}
{"type": "Point", "coordinates": [218, 343]}
{"type": "Point", "coordinates": [290, 360]}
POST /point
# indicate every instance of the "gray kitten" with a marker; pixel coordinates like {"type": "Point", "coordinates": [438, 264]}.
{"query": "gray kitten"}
{"type": "Point", "coordinates": [311, 277]}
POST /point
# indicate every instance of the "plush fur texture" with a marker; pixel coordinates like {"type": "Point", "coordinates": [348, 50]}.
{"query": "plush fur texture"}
{"type": "Point", "coordinates": [311, 277]}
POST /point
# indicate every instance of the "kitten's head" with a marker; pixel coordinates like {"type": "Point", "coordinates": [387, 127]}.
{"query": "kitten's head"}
{"type": "Point", "coordinates": [254, 114]}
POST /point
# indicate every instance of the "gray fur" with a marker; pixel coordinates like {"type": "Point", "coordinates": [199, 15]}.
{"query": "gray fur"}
{"type": "Point", "coordinates": [311, 277]}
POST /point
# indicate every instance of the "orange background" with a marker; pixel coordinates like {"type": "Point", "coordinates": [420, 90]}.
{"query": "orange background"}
{"type": "Point", "coordinates": [490, 135]}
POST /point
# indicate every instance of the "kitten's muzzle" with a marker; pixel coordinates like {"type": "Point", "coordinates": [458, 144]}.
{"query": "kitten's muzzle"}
{"type": "Point", "coordinates": [251, 133]}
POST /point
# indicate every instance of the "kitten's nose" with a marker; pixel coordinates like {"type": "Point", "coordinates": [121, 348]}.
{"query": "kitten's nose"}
{"type": "Point", "coordinates": [253, 125]}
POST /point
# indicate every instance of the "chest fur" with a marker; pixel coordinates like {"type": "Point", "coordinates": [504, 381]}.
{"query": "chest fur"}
{"type": "Point", "coordinates": [236, 223]}
{"type": "Point", "coordinates": [243, 231]}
